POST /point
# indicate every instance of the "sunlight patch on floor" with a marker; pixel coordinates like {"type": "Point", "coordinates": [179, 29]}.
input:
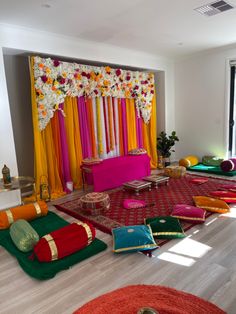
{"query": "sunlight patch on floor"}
{"type": "Point", "coordinates": [231, 214]}
{"type": "Point", "coordinates": [190, 247]}
{"type": "Point", "coordinates": [176, 259]}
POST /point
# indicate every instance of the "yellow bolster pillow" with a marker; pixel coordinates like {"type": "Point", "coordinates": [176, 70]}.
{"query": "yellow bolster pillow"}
{"type": "Point", "coordinates": [27, 212]}
{"type": "Point", "coordinates": [188, 161]}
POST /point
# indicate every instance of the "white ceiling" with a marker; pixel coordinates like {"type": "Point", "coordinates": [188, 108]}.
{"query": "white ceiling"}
{"type": "Point", "coordinates": [169, 28]}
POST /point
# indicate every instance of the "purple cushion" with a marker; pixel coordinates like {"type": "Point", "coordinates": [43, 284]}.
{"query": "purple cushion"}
{"type": "Point", "coordinates": [228, 165]}
{"type": "Point", "coordinates": [189, 213]}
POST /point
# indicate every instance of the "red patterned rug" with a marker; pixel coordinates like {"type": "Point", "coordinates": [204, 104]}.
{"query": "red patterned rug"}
{"type": "Point", "coordinates": [179, 191]}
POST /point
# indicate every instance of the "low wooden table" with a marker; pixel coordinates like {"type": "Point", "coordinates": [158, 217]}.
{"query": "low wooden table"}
{"type": "Point", "coordinates": [156, 179]}
{"type": "Point", "coordinates": [137, 186]}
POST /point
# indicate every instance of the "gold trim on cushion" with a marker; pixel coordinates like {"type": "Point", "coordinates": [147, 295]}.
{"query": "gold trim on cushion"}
{"type": "Point", "coordinates": [52, 246]}
{"type": "Point", "coordinates": [189, 218]}
{"type": "Point", "coordinates": [146, 246]}
{"type": "Point", "coordinates": [168, 233]}
{"type": "Point", "coordinates": [38, 209]}
{"type": "Point", "coordinates": [87, 229]}
{"type": "Point", "coordinates": [215, 209]}
{"type": "Point", "coordinates": [9, 216]}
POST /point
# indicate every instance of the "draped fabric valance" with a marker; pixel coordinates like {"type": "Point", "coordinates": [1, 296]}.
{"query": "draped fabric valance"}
{"type": "Point", "coordinates": [54, 80]}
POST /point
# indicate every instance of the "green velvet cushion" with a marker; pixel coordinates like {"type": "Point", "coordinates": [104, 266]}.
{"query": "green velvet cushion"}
{"type": "Point", "coordinates": [165, 227]}
{"type": "Point", "coordinates": [23, 235]}
{"type": "Point", "coordinates": [133, 238]}
{"type": "Point", "coordinates": [211, 160]}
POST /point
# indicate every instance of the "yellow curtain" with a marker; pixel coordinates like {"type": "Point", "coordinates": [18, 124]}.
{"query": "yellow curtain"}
{"type": "Point", "coordinates": [149, 135]}
{"type": "Point", "coordinates": [73, 139]}
{"type": "Point", "coordinates": [131, 124]}
{"type": "Point", "coordinates": [44, 151]}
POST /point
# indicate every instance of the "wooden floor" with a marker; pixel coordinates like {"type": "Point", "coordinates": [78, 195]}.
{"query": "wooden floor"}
{"type": "Point", "coordinates": [203, 264]}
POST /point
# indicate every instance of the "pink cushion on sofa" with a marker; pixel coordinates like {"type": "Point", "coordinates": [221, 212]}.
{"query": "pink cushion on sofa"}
{"type": "Point", "coordinates": [189, 213]}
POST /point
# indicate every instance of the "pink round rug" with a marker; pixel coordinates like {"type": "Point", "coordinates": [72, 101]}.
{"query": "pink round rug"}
{"type": "Point", "coordinates": [130, 299]}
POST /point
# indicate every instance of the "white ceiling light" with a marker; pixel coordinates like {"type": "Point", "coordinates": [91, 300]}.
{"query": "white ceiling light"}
{"type": "Point", "coordinates": [214, 8]}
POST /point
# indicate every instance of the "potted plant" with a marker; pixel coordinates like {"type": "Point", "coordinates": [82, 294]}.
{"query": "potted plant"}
{"type": "Point", "coordinates": [165, 144]}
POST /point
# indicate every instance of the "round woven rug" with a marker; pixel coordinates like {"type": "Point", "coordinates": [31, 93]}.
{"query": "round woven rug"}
{"type": "Point", "coordinates": [130, 299]}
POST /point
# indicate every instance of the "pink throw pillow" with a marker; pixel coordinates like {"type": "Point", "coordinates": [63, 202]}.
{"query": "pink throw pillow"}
{"type": "Point", "coordinates": [189, 213]}
{"type": "Point", "coordinates": [230, 187]}
{"type": "Point", "coordinates": [132, 203]}
{"type": "Point", "coordinates": [227, 196]}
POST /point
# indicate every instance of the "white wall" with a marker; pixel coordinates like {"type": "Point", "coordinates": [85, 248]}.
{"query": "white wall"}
{"type": "Point", "coordinates": [51, 44]}
{"type": "Point", "coordinates": [202, 103]}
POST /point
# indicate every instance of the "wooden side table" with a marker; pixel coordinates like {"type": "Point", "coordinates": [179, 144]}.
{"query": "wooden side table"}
{"type": "Point", "coordinates": [137, 186]}
{"type": "Point", "coordinates": [157, 179]}
{"type": "Point", "coordinates": [18, 183]}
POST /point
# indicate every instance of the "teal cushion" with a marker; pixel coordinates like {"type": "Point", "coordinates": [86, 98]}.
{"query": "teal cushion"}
{"type": "Point", "coordinates": [23, 235]}
{"type": "Point", "coordinates": [133, 238]}
{"type": "Point", "coordinates": [165, 227]}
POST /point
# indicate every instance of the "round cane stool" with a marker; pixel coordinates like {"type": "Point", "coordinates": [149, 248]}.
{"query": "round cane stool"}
{"type": "Point", "coordinates": [95, 203]}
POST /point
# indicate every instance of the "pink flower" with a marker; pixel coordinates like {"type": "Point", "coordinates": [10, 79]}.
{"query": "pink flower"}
{"type": "Point", "coordinates": [56, 63]}
{"type": "Point", "coordinates": [118, 72]}
{"type": "Point", "coordinates": [44, 78]}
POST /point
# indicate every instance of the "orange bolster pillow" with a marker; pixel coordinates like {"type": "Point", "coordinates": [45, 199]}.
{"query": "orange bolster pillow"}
{"type": "Point", "coordinates": [27, 212]}
{"type": "Point", "coordinates": [64, 241]}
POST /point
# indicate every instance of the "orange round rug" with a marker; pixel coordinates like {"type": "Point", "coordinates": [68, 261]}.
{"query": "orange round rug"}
{"type": "Point", "coordinates": [130, 299]}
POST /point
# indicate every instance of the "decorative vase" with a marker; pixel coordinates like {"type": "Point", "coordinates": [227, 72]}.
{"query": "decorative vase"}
{"type": "Point", "coordinates": [160, 163]}
{"type": "Point", "coordinates": [167, 161]}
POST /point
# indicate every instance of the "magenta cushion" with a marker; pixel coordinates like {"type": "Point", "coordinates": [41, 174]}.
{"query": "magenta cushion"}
{"type": "Point", "coordinates": [130, 203]}
{"type": "Point", "coordinates": [228, 165]}
{"type": "Point", "coordinates": [223, 194]}
{"type": "Point", "coordinates": [229, 187]}
{"type": "Point", "coordinates": [227, 196]}
{"type": "Point", "coordinates": [189, 213]}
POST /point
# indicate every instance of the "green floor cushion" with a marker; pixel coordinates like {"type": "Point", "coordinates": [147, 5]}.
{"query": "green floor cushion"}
{"type": "Point", "coordinates": [165, 227]}
{"type": "Point", "coordinates": [42, 271]}
{"type": "Point", "coordinates": [211, 169]}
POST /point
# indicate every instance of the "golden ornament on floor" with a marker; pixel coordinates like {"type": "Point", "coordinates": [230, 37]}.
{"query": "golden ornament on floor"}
{"type": "Point", "coordinates": [45, 191]}
{"type": "Point", "coordinates": [6, 176]}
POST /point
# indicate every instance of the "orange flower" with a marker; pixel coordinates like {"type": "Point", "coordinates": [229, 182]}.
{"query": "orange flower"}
{"type": "Point", "coordinates": [108, 69]}
{"type": "Point", "coordinates": [49, 80]}
{"type": "Point", "coordinates": [44, 113]}
{"type": "Point", "coordinates": [106, 83]}
{"type": "Point", "coordinates": [41, 106]}
{"type": "Point", "coordinates": [93, 76]}
{"type": "Point", "coordinates": [64, 74]}
{"type": "Point", "coordinates": [54, 88]}
{"type": "Point", "coordinates": [41, 65]}
{"type": "Point", "coordinates": [48, 70]}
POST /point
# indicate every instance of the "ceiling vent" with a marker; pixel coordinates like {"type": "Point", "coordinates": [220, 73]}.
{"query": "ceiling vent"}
{"type": "Point", "coordinates": [214, 8]}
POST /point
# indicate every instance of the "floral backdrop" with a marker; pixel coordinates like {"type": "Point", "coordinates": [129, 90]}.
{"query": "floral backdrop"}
{"type": "Point", "coordinates": [54, 80]}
